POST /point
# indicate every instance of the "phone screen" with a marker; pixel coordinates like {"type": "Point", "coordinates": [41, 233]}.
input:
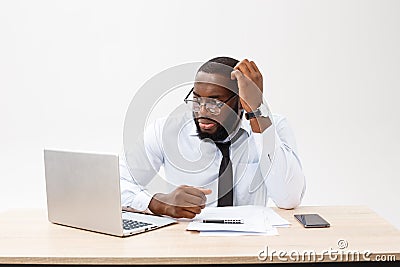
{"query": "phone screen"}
{"type": "Point", "coordinates": [311, 220]}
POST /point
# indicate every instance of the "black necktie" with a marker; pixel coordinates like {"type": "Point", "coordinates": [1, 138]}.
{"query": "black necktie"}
{"type": "Point", "coordinates": [225, 181]}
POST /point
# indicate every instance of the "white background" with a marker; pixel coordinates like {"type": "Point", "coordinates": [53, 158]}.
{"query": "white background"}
{"type": "Point", "coordinates": [68, 70]}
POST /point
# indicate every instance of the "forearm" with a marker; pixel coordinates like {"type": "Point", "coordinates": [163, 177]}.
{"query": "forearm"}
{"type": "Point", "coordinates": [133, 194]}
{"type": "Point", "coordinates": [280, 165]}
{"type": "Point", "coordinates": [286, 182]}
{"type": "Point", "coordinates": [260, 124]}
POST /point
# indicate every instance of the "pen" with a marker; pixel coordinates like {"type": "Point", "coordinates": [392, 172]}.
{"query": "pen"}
{"type": "Point", "coordinates": [231, 221]}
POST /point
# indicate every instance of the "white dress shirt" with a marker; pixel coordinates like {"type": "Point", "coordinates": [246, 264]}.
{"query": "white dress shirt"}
{"type": "Point", "coordinates": [264, 164]}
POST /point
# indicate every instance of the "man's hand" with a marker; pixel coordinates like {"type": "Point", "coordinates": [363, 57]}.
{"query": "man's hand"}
{"type": "Point", "coordinates": [183, 202]}
{"type": "Point", "coordinates": [250, 82]}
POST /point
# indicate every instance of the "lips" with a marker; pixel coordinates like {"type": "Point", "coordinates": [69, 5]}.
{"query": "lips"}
{"type": "Point", "coordinates": [206, 124]}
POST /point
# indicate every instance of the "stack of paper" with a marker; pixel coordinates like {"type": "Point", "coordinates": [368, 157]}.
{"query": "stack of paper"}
{"type": "Point", "coordinates": [256, 220]}
{"type": "Point", "coordinates": [274, 218]}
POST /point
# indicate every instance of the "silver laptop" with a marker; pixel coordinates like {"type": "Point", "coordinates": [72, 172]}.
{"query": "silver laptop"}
{"type": "Point", "coordinates": [83, 191]}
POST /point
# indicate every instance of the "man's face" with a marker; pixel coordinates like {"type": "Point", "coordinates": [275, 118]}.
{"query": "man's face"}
{"type": "Point", "coordinates": [212, 126]}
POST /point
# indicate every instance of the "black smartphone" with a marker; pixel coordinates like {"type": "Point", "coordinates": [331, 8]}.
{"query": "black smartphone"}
{"type": "Point", "coordinates": [311, 220]}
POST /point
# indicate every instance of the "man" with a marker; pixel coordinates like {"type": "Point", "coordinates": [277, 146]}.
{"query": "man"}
{"type": "Point", "coordinates": [243, 160]}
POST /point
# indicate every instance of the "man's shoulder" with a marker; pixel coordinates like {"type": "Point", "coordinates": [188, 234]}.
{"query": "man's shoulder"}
{"type": "Point", "coordinates": [277, 118]}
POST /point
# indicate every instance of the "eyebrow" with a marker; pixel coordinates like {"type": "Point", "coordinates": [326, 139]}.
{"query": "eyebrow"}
{"type": "Point", "coordinates": [211, 96]}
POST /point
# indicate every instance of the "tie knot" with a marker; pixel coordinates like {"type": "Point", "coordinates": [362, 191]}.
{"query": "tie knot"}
{"type": "Point", "coordinates": [224, 147]}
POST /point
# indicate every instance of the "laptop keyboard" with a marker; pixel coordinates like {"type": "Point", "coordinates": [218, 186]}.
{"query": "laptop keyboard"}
{"type": "Point", "coordinates": [130, 224]}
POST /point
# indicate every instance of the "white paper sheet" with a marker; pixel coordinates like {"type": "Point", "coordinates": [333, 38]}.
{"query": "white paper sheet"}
{"type": "Point", "coordinates": [257, 220]}
{"type": "Point", "coordinates": [254, 219]}
{"type": "Point", "coordinates": [275, 219]}
{"type": "Point", "coordinates": [271, 232]}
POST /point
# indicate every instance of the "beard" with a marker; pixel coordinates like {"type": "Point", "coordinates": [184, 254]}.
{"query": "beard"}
{"type": "Point", "coordinates": [221, 132]}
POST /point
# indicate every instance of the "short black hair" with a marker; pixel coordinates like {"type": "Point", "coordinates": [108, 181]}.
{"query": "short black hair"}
{"type": "Point", "coordinates": [223, 66]}
{"type": "Point", "coordinates": [216, 65]}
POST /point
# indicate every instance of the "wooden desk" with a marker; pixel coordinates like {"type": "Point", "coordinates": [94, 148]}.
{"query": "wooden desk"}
{"type": "Point", "coordinates": [26, 237]}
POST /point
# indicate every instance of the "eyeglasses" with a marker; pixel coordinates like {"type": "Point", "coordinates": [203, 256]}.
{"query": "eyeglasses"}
{"type": "Point", "coordinates": [212, 105]}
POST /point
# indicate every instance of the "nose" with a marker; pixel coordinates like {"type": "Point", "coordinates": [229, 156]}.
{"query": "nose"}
{"type": "Point", "coordinates": [203, 109]}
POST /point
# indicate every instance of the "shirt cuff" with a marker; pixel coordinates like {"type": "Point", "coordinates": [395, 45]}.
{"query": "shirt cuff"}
{"type": "Point", "coordinates": [141, 201]}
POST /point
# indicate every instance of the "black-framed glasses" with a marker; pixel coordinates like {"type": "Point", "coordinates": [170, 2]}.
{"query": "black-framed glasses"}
{"type": "Point", "coordinates": [212, 105]}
